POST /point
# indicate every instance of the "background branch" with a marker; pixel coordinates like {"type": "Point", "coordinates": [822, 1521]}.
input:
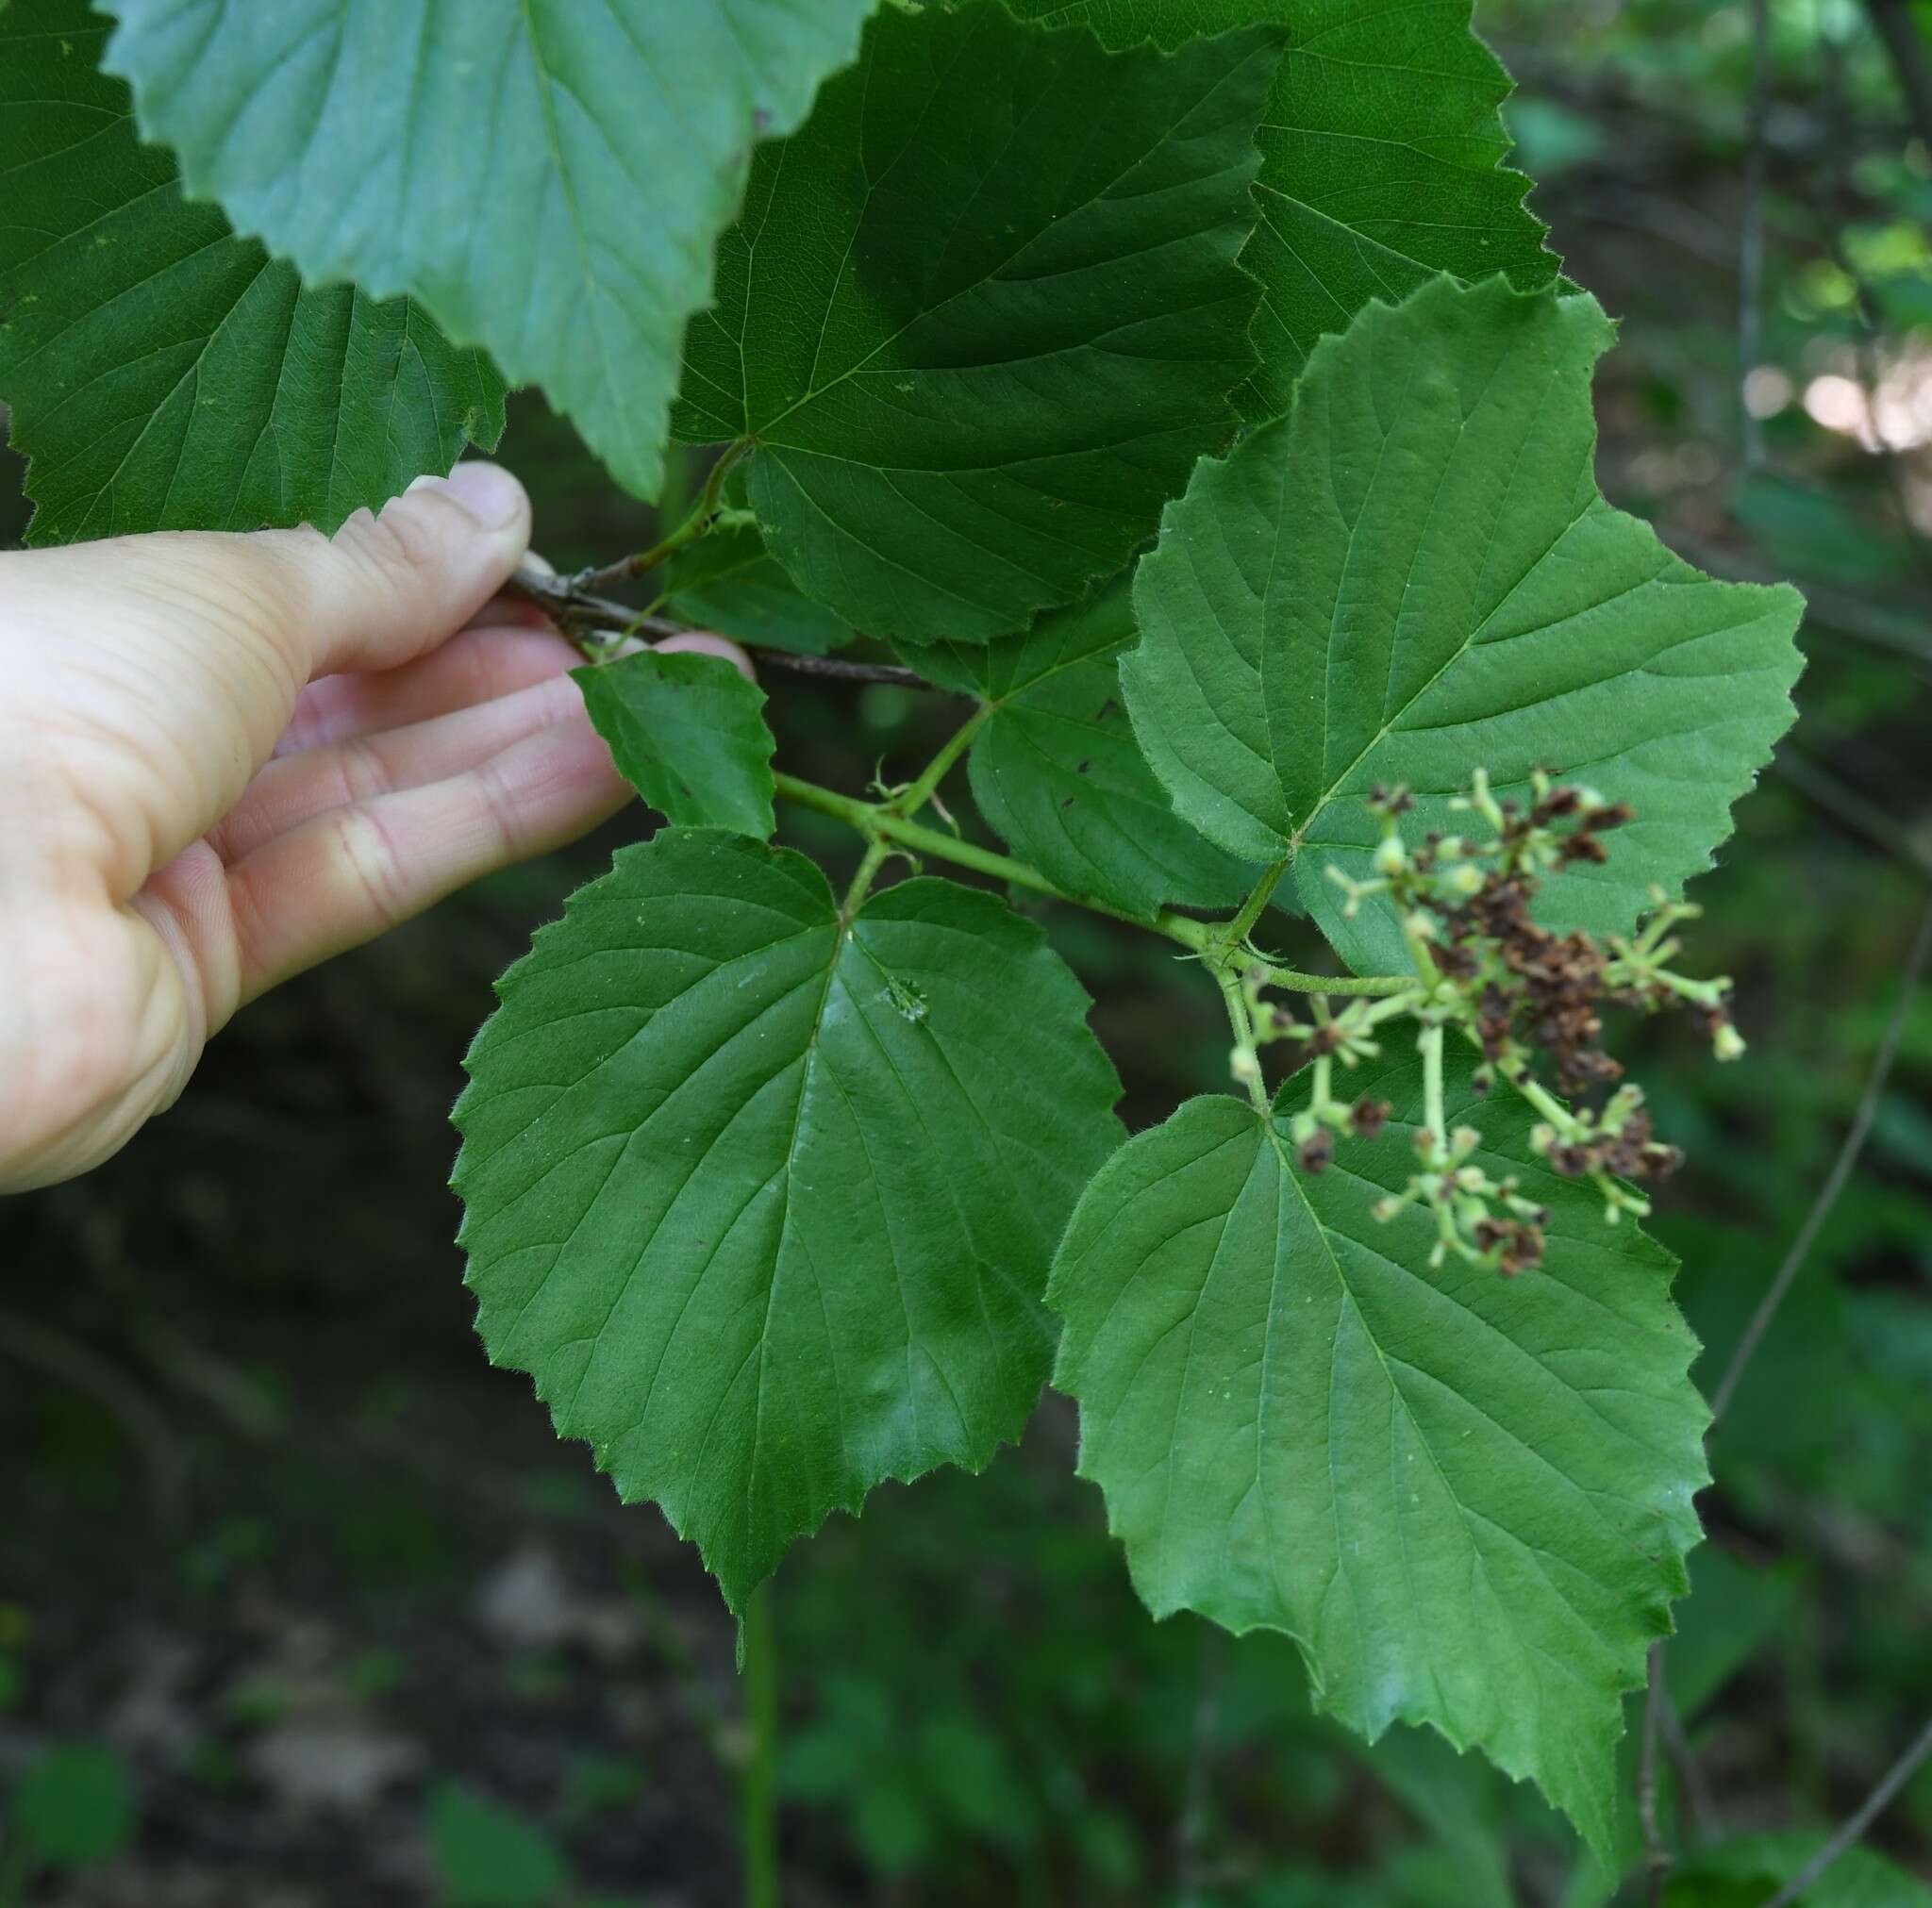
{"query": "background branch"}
{"type": "Point", "coordinates": [1840, 1170]}
{"type": "Point", "coordinates": [1656, 1858]}
{"type": "Point", "coordinates": [1854, 1827]}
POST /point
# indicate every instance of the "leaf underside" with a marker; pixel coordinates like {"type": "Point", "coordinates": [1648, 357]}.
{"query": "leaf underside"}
{"type": "Point", "coordinates": [547, 176]}
{"type": "Point", "coordinates": [1412, 576]}
{"type": "Point", "coordinates": [688, 733]}
{"type": "Point", "coordinates": [165, 374]}
{"type": "Point", "coordinates": [1382, 161]}
{"type": "Point", "coordinates": [765, 1202]}
{"type": "Point", "coordinates": [981, 314]}
{"type": "Point", "coordinates": [1468, 1499]}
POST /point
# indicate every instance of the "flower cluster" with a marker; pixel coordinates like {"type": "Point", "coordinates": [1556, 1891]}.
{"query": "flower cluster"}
{"type": "Point", "coordinates": [1488, 971]}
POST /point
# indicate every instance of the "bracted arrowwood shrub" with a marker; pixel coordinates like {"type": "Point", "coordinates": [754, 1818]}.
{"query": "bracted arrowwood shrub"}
{"type": "Point", "coordinates": [1183, 387]}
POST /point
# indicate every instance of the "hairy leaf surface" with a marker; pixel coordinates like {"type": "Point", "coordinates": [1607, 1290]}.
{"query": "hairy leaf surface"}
{"type": "Point", "coordinates": [765, 1202]}
{"type": "Point", "coordinates": [165, 374]}
{"type": "Point", "coordinates": [688, 735]}
{"type": "Point", "coordinates": [1467, 1497]}
{"type": "Point", "coordinates": [548, 177]}
{"type": "Point", "coordinates": [982, 314]}
{"type": "Point", "coordinates": [1414, 575]}
{"type": "Point", "coordinates": [1056, 771]}
{"type": "Point", "coordinates": [1382, 161]}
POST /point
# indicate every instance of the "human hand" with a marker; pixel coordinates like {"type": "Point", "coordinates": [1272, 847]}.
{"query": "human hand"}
{"type": "Point", "coordinates": [223, 758]}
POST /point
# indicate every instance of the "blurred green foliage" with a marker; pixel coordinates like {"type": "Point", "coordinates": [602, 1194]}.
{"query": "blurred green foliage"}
{"type": "Point", "coordinates": [488, 1857]}
{"type": "Point", "coordinates": [72, 1808]}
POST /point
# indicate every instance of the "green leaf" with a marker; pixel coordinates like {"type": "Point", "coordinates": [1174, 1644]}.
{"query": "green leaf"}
{"type": "Point", "coordinates": [1382, 161]}
{"type": "Point", "coordinates": [1418, 565]}
{"type": "Point", "coordinates": [488, 1856]}
{"type": "Point", "coordinates": [165, 374]}
{"type": "Point", "coordinates": [1056, 771]}
{"type": "Point", "coordinates": [764, 1200]}
{"type": "Point", "coordinates": [74, 1806]}
{"type": "Point", "coordinates": [730, 583]}
{"type": "Point", "coordinates": [688, 735]}
{"type": "Point", "coordinates": [1467, 1497]}
{"type": "Point", "coordinates": [548, 177]}
{"type": "Point", "coordinates": [1747, 1870]}
{"type": "Point", "coordinates": [981, 315]}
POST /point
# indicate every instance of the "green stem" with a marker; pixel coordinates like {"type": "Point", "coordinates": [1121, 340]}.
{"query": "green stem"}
{"type": "Point", "coordinates": [876, 853]}
{"type": "Point", "coordinates": [1420, 954]}
{"type": "Point", "coordinates": [759, 1794]}
{"type": "Point", "coordinates": [1708, 993]}
{"type": "Point", "coordinates": [1251, 909]}
{"type": "Point", "coordinates": [1429, 1044]}
{"type": "Point", "coordinates": [874, 820]}
{"type": "Point", "coordinates": [1238, 1018]}
{"type": "Point", "coordinates": [703, 514]}
{"type": "Point", "coordinates": [910, 800]}
{"type": "Point", "coordinates": [1542, 1099]}
{"type": "Point", "coordinates": [1293, 981]}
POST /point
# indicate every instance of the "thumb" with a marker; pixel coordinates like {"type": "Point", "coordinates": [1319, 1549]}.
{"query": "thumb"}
{"type": "Point", "coordinates": [385, 589]}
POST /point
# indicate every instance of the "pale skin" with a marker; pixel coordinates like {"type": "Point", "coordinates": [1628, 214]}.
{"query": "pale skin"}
{"type": "Point", "coordinates": [226, 757]}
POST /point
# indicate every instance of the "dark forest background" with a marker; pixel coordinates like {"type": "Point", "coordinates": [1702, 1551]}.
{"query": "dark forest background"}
{"type": "Point", "coordinates": [302, 1605]}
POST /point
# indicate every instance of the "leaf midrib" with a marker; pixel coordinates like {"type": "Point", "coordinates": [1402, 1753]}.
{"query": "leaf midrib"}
{"type": "Point", "coordinates": [1392, 723]}
{"type": "Point", "coordinates": [1464, 1512]}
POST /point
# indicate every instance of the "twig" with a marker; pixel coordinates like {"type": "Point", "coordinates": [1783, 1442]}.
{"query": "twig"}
{"type": "Point", "coordinates": [576, 611]}
{"type": "Point", "coordinates": [1751, 235]}
{"type": "Point", "coordinates": [1840, 1169]}
{"type": "Point", "coordinates": [571, 607]}
{"type": "Point", "coordinates": [1699, 1802]}
{"type": "Point", "coordinates": [1656, 1858]}
{"type": "Point", "coordinates": [1853, 1827]}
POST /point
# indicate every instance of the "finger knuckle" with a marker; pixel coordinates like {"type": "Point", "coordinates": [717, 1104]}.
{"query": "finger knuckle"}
{"type": "Point", "coordinates": [412, 533]}
{"type": "Point", "coordinates": [366, 863]}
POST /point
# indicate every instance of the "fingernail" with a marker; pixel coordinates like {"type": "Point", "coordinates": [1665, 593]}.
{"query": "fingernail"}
{"type": "Point", "coordinates": [487, 491]}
